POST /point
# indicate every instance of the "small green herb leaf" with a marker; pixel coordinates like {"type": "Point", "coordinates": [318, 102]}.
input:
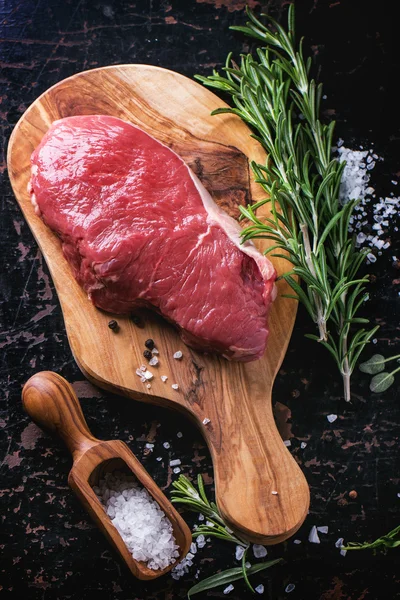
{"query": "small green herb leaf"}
{"type": "Point", "coordinates": [226, 577]}
{"type": "Point", "coordinates": [374, 365]}
{"type": "Point", "coordinates": [381, 382]}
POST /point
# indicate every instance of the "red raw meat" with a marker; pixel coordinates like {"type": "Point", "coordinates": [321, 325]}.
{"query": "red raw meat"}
{"type": "Point", "coordinates": [139, 229]}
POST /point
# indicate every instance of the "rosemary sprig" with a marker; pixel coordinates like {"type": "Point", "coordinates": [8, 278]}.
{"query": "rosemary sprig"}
{"type": "Point", "coordinates": [186, 494]}
{"type": "Point", "coordinates": [390, 540]}
{"type": "Point", "coordinates": [274, 94]}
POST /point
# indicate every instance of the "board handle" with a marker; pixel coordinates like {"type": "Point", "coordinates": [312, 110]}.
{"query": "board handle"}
{"type": "Point", "coordinates": [52, 404]}
{"type": "Point", "coordinates": [260, 490]}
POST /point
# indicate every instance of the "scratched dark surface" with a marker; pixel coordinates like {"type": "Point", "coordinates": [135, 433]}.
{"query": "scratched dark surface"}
{"type": "Point", "coordinates": [48, 548]}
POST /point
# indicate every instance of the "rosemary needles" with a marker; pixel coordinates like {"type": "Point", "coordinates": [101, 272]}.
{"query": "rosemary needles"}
{"type": "Point", "coordinates": [274, 94]}
{"type": "Point", "coordinates": [193, 499]}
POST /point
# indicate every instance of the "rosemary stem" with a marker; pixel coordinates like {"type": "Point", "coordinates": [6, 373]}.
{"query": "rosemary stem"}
{"type": "Point", "coordinates": [320, 318]}
{"type": "Point", "coordinates": [346, 372]}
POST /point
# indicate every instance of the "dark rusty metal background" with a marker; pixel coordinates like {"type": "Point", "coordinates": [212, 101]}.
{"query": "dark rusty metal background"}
{"type": "Point", "coordinates": [48, 548]}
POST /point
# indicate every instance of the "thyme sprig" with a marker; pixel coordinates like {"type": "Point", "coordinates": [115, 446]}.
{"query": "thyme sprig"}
{"type": "Point", "coordinates": [390, 540]}
{"type": "Point", "coordinates": [195, 500]}
{"type": "Point", "coordinates": [308, 225]}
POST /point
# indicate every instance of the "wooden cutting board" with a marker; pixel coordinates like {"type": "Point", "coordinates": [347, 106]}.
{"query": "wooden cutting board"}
{"type": "Point", "coordinates": [249, 457]}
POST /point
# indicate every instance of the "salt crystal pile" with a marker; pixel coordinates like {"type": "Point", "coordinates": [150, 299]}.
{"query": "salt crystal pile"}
{"type": "Point", "coordinates": [183, 567]}
{"type": "Point", "coordinates": [143, 526]}
{"type": "Point", "coordinates": [355, 184]}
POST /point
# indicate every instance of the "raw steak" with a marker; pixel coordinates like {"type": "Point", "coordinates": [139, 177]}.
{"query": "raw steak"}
{"type": "Point", "coordinates": [138, 228]}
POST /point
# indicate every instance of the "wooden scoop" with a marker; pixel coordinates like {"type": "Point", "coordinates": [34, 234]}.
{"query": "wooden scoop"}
{"type": "Point", "coordinates": [51, 402]}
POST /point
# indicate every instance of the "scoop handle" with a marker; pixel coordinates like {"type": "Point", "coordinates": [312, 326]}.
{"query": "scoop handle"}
{"type": "Point", "coordinates": [52, 404]}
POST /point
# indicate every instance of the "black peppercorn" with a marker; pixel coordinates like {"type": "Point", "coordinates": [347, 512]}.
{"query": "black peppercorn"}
{"type": "Point", "coordinates": [147, 354]}
{"type": "Point", "coordinates": [113, 325]}
{"type": "Point", "coordinates": [149, 344]}
{"type": "Point", "coordinates": [137, 321]}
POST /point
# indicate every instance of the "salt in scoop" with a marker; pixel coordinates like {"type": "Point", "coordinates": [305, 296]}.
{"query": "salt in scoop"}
{"type": "Point", "coordinates": [52, 404]}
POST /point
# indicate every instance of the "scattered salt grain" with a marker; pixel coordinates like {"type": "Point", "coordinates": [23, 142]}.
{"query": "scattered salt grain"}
{"type": "Point", "coordinates": [149, 446]}
{"type": "Point", "coordinates": [228, 589]}
{"type": "Point", "coordinates": [143, 526]}
{"type": "Point", "coordinates": [339, 543]}
{"type": "Point", "coordinates": [155, 351]}
{"type": "Point", "coordinates": [201, 541]}
{"type": "Point", "coordinates": [201, 517]}
{"type": "Point", "coordinates": [296, 541]}
{"type": "Point", "coordinates": [247, 564]}
{"type": "Point", "coordinates": [175, 462]}
{"type": "Point", "coordinates": [331, 418]}
{"type": "Point", "coordinates": [166, 445]}
{"type": "Point", "coordinates": [239, 552]}
{"type": "Point", "coordinates": [175, 386]}
{"type": "Point", "coordinates": [193, 548]}
{"type": "Point", "coordinates": [179, 434]}
{"type": "Point", "coordinates": [159, 458]}
{"type": "Point", "coordinates": [259, 589]}
{"type": "Point", "coordinates": [206, 421]}
{"type": "Point", "coordinates": [176, 470]}
{"type": "Point", "coordinates": [303, 445]}
{"type": "Point", "coordinates": [343, 552]}
{"type": "Point", "coordinates": [371, 257]}
{"type": "Point", "coordinates": [183, 567]}
{"type": "Point", "coordinates": [323, 529]}
{"type": "Point", "coordinates": [274, 492]}
{"type": "Point", "coordinates": [148, 375]}
{"type": "Point", "coordinates": [154, 361]}
{"type": "Point", "coordinates": [287, 443]}
{"type": "Point", "coordinates": [164, 378]}
{"type": "Point", "coordinates": [259, 551]}
{"type": "Point", "coordinates": [398, 494]}
{"type": "Point", "coordinates": [178, 355]}
{"type": "Point", "coordinates": [289, 588]}
{"type": "Point", "coordinates": [313, 536]}
{"type": "Point", "coordinates": [148, 386]}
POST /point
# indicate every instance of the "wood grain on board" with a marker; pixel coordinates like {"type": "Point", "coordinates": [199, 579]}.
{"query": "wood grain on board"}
{"type": "Point", "coordinates": [249, 458]}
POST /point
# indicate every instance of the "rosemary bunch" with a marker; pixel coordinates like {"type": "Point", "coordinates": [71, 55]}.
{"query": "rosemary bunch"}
{"type": "Point", "coordinates": [274, 94]}
{"type": "Point", "coordinates": [193, 499]}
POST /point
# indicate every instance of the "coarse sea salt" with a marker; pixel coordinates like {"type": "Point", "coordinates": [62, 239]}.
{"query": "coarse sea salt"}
{"type": "Point", "coordinates": [313, 536]}
{"type": "Point", "coordinates": [178, 355]}
{"type": "Point", "coordinates": [183, 567]}
{"type": "Point", "coordinates": [259, 589]}
{"type": "Point", "coordinates": [259, 551]}
{"type": "Point", "coordinates": [175, 386]}
{"type": "Point", "coordinates": [163, 378]}
{"type": "Point", "coordinates": [228, 589]}
{"type": "Point", "coordinates": [289, 588]}
{"type": "Point", "coordinates": [239, 552]}
{"type": "Point", "coordinates": [143, 526]}
{"type": "Point", "coordinates": [374, 215]}
{"type": "Point", "coordinates": [323, 529]}
{"type": "Point", "coordinates": [206, 421]}
{"type": "Point", "coordinates": [175, 462]}
{"type": "Point", "coordinates": [331, 418]}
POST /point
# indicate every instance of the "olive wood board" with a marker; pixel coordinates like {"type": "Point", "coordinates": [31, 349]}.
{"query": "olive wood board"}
{"type": "Point", "coordinates": [251, 462]}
